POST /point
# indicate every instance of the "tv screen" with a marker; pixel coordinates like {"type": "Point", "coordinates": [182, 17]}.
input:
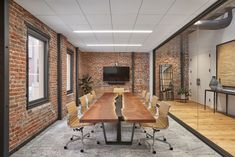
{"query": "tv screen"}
{"type": "Point", "coordinates": [113, 74]}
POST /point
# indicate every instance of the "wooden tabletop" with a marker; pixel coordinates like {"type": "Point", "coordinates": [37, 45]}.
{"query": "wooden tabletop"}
{"type": "Point", "coordinates": [135, 111]}
{"type": "Point", "coordinates": [103, 110]}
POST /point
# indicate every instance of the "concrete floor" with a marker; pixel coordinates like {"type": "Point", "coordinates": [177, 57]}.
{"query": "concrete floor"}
{"type": "Point", "coordinates": [51, 143]}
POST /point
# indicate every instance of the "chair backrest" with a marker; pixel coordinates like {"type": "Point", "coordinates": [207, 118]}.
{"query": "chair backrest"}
{"type": "Point", "coordinates": [72, 112]}
{"type": "Point", "coordinates": [118, 90]}
{"type": "Point", "coordinates": [164, 109]}
{"type": "Point", "coordinates": [154, 101]}
{"type": "Point", "coordinates": [163, 114]}
{"type": "Point", "coordinates": [93, 94]}
{"type": "Point", "coordinates": [143, 94]}
{"type": "Point", "coordinates": [147, 99]}
{"type": "Point", "coordinates": [83, 102]}
{"type": "Point", "coordinates": [90, 99]}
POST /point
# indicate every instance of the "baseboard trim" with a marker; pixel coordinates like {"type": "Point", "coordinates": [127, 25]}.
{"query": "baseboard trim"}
{"type": "Point", "coordinates": [211, 144]}
{"type": "Point", "coordinates": [30, 138]}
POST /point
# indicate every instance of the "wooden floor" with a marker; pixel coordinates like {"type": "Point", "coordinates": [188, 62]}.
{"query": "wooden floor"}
{"type": "Point", "coordinates": [217, 127]}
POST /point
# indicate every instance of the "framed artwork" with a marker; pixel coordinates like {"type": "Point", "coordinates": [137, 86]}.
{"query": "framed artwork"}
{"type": "Point", "coordinates": [225, 63]}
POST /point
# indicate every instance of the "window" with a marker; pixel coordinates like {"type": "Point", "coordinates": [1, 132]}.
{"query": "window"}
{"type": "Point", "coordinates": [69, 84]}
{"type": "Point", "coordinates": [37, 68]}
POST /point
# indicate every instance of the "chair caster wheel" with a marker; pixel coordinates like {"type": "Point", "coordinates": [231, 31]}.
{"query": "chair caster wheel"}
{"type": "Point", "coordinates": [88, 136]}
{"type": "Point", "coordinates": [164, 139]}
{"type": "Point", "coordinates": [154, 152]}
{"type": "Point", "coordinates": [92, 131]}
{"type": "Point", "coordinates": [71, 139]}
{"type": "Point", "coordinates": [144, 131]}
{"type": "Point", "coordinates": [101, 126]}
{"type": "Point", "coordinates": [65, 147]}
{"type": "Point", "coordinates": [135, 127]}
{"type": "Point", "coordinates": [171, 148]}
{"type": "Point", "coordinates": [81, 150]}
{"type": "Point", "coordinates": [147, 137]}
{"type": "Point", "coordinates": [98, 142]}
{"type": "Point", "coordinates": [139, 144]}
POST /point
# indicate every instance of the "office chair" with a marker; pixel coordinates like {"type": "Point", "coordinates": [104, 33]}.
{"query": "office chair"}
{"type": "Point", "coordinates": [90, 99]}
{"type": "Point", "coordinates": [84, 105]}
{"type": "Point", "coordinates": [94, 94]}
{"type": "Point", "coordinates": [74, 123]}
{"type": "Point", "coordinates": [153, 105]}
{"type": "Point", "coordinates": [147, 99]}
{"type": "Point", "coordinates": [162, 123]}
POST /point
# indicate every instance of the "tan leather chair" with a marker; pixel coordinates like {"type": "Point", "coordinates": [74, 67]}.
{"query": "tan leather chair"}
{"type": "Point", "coordinates": [147, 99]}
{"type": "Point", "coordinates": [94, 94]}
{"type": "Point", "coordinates": [90, 99]}
{"type": "Point", "coordinates": [119, 91]}
{"type": "Point", "coordinates": [84, 105]}
{"type": "Point", "coordinates": [153, 104]}
{"type": "Point", "coordinates": [162, 123]}
{"type": "Point", "coordinates": [74, 123]}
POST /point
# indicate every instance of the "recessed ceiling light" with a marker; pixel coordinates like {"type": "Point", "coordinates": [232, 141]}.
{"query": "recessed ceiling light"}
{"type": "Point", "coordinates": [113, 31]}
{"type": "Point", "coordinates": [120, 45]}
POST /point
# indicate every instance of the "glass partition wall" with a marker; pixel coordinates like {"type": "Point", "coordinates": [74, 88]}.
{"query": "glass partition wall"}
{"type": "Point", "coordinates": [202, 59]}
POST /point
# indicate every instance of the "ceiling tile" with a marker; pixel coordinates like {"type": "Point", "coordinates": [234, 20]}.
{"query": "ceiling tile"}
{"type": "Point", "coordinates": [36, 7]}
{"type": "Point", "coordinates": [186, 6]}
{"type": "Point", "coordinates": [80, 27]}
{"type": "Point", "coordinates": [64, 6]}
{"type": "Point", "coordinates": [95, 6]}
{"type": "Point", "coordinates": [97, 19]}
{"type": "Point", "coordinates": [125, 6]}
{"type": "Point", "coordinates": [74, 19]}
{"type": "Point", "coordinates": [101, 27]}
{"type": "Point", "coordinates": [172, 19]}
{"type": "Point", "coordinates": [148, 19]}
{"type": "Point", "coordinates": [155, 6]}
{"type": "Point", "coordinates": [122, 26]}
{"type": "Point", "coordinates": [123, 19]}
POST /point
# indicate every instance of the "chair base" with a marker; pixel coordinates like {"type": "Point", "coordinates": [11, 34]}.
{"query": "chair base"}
{"type": "Point", "coordinates": [77, 138]}
{"type": "Point", "coordinates": [163, 140]}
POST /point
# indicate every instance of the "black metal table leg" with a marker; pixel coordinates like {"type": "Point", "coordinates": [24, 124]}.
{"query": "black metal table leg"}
{"type": "Point", "coordinates": [214, 102]}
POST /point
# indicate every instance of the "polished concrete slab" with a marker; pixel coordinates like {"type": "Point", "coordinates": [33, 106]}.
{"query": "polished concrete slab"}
{"type": "Point", "coordinates": [51, 143]}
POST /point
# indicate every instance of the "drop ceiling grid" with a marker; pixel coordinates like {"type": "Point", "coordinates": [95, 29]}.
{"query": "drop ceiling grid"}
{"type": "Point", "coordinates": [65, 16]}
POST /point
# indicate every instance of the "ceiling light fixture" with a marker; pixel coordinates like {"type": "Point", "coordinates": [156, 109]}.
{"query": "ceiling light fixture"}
{"type": "Point", "coordinates": [113, 31]}
{"type": "Point", "coordinates": [108, 45]}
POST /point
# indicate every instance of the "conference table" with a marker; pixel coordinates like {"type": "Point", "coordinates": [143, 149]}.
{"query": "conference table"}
{"type": "Point", "coordinates": [115, 108]}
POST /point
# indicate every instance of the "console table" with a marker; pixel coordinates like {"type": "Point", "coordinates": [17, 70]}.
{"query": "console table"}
{"type": "Point", "coordinates": [224, 91]}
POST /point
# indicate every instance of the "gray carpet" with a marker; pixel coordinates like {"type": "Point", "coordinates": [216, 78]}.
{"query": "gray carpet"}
{"type": "Point", "coordinates": [50, 143]}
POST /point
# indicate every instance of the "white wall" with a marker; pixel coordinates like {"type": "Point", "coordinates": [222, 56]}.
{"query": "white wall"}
{"type": "Point", "coordinates": [201, 44]}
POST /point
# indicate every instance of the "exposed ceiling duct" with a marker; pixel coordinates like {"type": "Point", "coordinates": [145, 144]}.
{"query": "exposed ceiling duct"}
{"type": "Point", "coordinates": [215, 24]}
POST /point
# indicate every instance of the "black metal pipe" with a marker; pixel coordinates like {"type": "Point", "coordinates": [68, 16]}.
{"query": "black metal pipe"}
{"type": "Point", "coordinates": [59, 77]}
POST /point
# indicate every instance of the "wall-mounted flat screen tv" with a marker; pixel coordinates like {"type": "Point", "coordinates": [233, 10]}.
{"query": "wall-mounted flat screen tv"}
{"type": "Point", "coordinates": [116, 74]}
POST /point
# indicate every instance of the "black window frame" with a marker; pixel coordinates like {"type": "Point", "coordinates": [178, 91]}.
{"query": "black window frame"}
{"type": "Point", "coordinates": [34, 32]}
{"type": "Point", "coordinates": [70, 52]}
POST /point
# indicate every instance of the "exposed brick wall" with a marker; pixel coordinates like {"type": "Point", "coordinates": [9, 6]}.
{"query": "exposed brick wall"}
{"type": "Point", "coordinates": [24, 123]}
{"type": "Point", "coordinates": [141, 63]}
{"type": "Point", "coordinates": [92, 63]}
{"type": "Point", "coordinates": [66, 98]}
{"type": "Point", "coordinates": [170, 54]}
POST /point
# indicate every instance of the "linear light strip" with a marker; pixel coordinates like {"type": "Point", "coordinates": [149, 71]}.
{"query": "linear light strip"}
{"type": "Point", "coordinates": [113, 31]}
{"type": "Point", "coordinates": [109, 45]}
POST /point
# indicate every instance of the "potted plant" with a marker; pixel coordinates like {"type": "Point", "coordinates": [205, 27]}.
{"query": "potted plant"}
{"type": "Point", "coordinates": [85, 84]}
{"type": "Point", "coordinates": [184, 93]}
